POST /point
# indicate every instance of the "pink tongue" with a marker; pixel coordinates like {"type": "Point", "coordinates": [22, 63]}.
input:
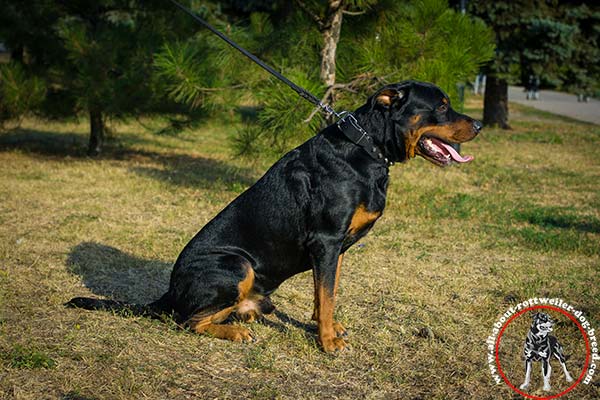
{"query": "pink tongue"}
{"type": "Point", "coordinates": [454, 154]}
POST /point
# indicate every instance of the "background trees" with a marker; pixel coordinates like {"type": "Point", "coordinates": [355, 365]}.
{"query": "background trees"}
{"type": "Point", "coordinates": [339, 50]}
{"type": "Point", "coordinates": [557, 40]}
{"type": "Point", "coordinates": [94, 58]}
{"type": "Point", "coordinates": [110, 58]}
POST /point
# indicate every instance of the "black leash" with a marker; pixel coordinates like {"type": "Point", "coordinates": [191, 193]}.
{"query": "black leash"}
{"type": "Point", "coordinates": [301, 91]}
{"type": "Point", "coordinates": [347, 122]}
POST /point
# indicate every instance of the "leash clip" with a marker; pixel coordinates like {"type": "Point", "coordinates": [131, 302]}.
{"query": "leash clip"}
{"type": "Point", "coordinates": [356, 126]}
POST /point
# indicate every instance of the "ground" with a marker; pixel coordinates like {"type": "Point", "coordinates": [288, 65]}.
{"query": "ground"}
{"type": "Point", "coordinates": [419, 295]}
{"type": "Point", "coordinates": [559, 103]}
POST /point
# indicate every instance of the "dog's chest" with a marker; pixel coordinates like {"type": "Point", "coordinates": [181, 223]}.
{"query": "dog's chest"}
{"type": "Point", "coordinates": [362, 219]}
{"type": "Point", "coordinates": [360, 224]}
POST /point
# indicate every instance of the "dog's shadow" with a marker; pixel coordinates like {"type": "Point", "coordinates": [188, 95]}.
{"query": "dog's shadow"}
{"type": "Point", "coordinates": [112, 273]}
{"type": "Point", "coordinates": [109, 272]}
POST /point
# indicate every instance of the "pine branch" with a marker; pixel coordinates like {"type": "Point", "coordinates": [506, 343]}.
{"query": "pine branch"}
{"type": "Point", "coordinates": [320, 23]}
{"type": "Point", "coordinates": [328, 94]}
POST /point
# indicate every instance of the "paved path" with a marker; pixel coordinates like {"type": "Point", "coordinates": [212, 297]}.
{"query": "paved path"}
{"type": "Point", "coordinates": [559, 103]}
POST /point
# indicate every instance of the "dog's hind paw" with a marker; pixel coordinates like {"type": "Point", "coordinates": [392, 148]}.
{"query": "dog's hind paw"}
{"type": "Point", "coordinates": [524, 386]}
{"type": "Point", "coordinates": [569, 378]}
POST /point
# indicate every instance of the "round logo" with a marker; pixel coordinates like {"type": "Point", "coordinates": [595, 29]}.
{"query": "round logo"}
{"type": "Point", "coordinates": [542, 351]}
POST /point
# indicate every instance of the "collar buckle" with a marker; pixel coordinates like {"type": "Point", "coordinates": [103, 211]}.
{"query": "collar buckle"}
{"type": "Point", "coordinates": [350, 127]}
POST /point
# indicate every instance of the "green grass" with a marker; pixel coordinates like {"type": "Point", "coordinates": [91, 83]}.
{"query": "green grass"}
{"type": "Point", "coordinates": [22, 357]}
{"type": "Point", "coordinates": [455, 248]}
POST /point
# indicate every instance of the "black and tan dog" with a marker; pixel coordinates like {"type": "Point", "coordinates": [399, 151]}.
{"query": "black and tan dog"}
{"type": "Point", "coordinates": [541, 346]}
{"type": "Point", "coordinates": [304, 213]}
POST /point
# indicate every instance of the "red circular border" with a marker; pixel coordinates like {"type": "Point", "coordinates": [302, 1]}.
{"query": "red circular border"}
{"type": "Point", "coordinates": [587, 356]}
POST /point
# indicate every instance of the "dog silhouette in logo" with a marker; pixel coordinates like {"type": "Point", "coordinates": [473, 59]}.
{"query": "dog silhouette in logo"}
{"type": "Point", "coordinates": [541, 346]}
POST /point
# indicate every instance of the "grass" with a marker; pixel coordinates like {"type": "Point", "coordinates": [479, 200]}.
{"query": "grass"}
{"type": "Point", "coordinates": [455, 248]}
{"type": "Point", "coordinates": [21, 357]}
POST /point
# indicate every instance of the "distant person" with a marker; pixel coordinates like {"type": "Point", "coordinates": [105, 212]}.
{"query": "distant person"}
{"type": "Point", "coordinates": [583, 95]}
{"type": "Point", "coordinates": [533, 87]}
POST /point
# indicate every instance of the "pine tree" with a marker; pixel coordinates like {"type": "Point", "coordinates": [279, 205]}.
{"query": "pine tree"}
{"type": "Point", "coordinates": [554, 39]}
{"type": "Point", "coordinates": [18, 93]}
{"type": "Point", "coordinates": [340, 51]}
{"type": "Point", "coordinates": [95, 58]}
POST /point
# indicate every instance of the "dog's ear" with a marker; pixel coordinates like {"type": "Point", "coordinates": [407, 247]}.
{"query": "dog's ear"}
{"type": "Point", "coordinates": [387, 97]}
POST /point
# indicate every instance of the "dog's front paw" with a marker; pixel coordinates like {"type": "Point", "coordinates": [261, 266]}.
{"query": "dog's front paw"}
{"type": "Point", "coordinates": [524, 386]}
{"type": "Point", "coordinates": [331, 345]}
{"type": "Point", "coordinates": [569, 378]}
{"type": "Point", "coordinates": [339, 329]}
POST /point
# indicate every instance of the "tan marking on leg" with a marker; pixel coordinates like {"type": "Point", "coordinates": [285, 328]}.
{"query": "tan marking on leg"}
{"type": "Point", "coordinates": [245, 286]}
{"type": "Point", "coordinates": [211, 324]}
{"type": "Point", "coordinates": [337, 327]}
{"type": "Point", "coordinates": [199, 323]}
{"type": "Point", "coordinates": [327, 334]}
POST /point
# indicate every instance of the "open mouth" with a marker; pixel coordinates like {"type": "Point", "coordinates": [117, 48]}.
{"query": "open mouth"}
{"type": "Point", "coordinates": [439, 152]}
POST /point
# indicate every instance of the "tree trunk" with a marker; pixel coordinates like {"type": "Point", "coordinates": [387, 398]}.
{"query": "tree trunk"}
{"type": "Point", "coordinates": [16, 54]}
{"type": "Point", "coordinates": [495, 102]}
{"type": "Point", "coordinates": [330, 28]}
{"type": "Point", "coordinates": [96, 132]}
{"type": "Point", "coordinates": [331, 31]}
{"type": "Point", "coordinates": [331, 37]}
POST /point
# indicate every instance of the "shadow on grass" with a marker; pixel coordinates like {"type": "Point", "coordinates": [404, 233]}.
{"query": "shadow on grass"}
{"type": "Point", "coordinates": [75, 396]}
{"type": "Point", "coordinates": [174, 169]}
{"type": "Point", "coordinates": [112, 273]}
{"type": "Point", "coordinates": [557, 217]}
{"type": "Point", "coordinates": [285, 319]}
{"type": "Point", "coordinates": [53, 144]}
{"type": "Point", "coordinates": [188, 171]}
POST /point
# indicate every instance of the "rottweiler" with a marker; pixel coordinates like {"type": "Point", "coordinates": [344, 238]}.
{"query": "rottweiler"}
{"type": "Point", "coordinates": [304, 213]}
{"type": "Point", "coordinates": [541, 346]}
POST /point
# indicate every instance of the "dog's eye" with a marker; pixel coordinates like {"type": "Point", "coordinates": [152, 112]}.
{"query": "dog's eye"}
{"type": "Point", "coordinates": [443, 108]}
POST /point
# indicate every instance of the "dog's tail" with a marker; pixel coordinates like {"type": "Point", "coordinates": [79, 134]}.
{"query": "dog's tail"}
{"type": "Point", "coordinates": [157, 310]}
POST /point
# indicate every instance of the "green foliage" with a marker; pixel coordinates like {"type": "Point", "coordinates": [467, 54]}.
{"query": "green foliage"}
{"type": "Point", "coordinates": [116, 59]}
{"type": "Point", "coordinates": [205, 72]}
{"type": "Point", "coordinates": [429, 42]}
{"type": "Point", "coordinates": [19, 93]}
{"type": "Point", "coordinates": [545, 44]}
{"type": "Point", "coordinates": [94, 58]}
{"type": "Point", "coordinates": [556, 40]}
{"type": "Point", "coordinates": [582, 73]}
{"type": "Point", "coordinates": [180, 64]}
{"type": "Point", "coordinates": [23, 357]}
{"type": "Point", "coordinates": [386, 42]}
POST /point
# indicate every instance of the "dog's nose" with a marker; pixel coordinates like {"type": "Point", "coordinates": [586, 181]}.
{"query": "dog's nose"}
{"type": "Point", "coordinates": [477, 126]}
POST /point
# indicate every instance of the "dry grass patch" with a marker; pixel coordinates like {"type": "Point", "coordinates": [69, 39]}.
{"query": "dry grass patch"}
{"type": "Point", "coordinates": [455, 248]}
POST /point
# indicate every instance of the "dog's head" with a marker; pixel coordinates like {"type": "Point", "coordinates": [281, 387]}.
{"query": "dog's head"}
{"type": "Point", "coordinates": [417, 119]}
{"type": "Point", "coordinates": [542, 324]}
